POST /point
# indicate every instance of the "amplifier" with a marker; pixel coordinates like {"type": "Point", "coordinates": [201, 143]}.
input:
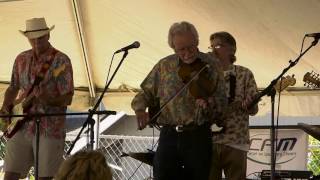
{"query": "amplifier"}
{"type": "Point", "coordinates": [279, 174]}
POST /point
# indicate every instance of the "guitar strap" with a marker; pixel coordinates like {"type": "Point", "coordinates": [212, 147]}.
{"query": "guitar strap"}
{"type": "Point", "coordinates": [43, 71]}
{"type": "Point", "coordinates": [232, 91]}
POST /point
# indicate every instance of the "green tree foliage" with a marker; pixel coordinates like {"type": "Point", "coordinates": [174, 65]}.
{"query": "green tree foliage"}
{"type": "Point", "coordinates": [314, 156]}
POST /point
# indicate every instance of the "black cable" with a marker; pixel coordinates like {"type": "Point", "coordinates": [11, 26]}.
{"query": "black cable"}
{"type": "Point", "coordinates": [152, 148]}
{"type": "Point", "coordinates": [302, 44]}
{"type": "Point", "coordinates": [257, 174]}
{"type": "Point", "coordinates": [88, 125]}
{"type": "Point", "coordinates": [279, 98]}
{"type": "Point", "coordinates": [109, 68]}
{"type": "Point", "coordinates": [134, 172]}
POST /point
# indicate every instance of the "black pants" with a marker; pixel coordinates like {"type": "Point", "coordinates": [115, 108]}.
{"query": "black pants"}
{"type": "Point", "coordinates": [183, 155]}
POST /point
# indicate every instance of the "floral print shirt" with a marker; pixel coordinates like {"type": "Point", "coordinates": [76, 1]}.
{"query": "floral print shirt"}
{"type": "Point", "coordinates": [236, 121]}
{"type": "Point", "coordinates": [57, 81]}
{"type": "Point", "coordinates": [164, 82]}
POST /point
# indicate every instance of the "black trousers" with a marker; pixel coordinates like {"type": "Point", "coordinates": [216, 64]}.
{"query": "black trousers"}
{"type": "Point", "coordinates": [183, 155]}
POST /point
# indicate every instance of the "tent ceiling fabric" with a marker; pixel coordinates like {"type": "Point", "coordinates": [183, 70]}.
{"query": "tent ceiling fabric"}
{"type": "Point", "coordinates": [268, 32]}
{"type": "Point", "coordinates": [64, 36]}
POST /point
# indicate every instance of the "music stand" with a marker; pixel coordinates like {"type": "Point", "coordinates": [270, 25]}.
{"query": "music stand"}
{"type": "Point", "coordinates": [145, 157]}
{"type": "Point", "coordinates": [311, 130]}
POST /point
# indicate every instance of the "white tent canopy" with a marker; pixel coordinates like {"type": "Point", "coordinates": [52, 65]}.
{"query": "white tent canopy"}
{"type": "Point", "coordinates": [268, 32]}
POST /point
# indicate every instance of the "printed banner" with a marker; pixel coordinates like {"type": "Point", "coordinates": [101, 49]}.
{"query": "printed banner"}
{"type": "Point", "coordinates": [291, 150]}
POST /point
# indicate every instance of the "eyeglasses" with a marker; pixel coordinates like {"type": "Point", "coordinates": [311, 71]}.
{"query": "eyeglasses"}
{"type": "Point", "coordinates": [218, 46]}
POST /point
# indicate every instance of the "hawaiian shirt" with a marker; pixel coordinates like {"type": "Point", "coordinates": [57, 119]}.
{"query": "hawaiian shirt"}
{"type": "Point", "coordinates": [164, 82]}
{"type": "Point", "coordinates": [236, 121]}
{"type": "Point", "coordinates": [58, 80]}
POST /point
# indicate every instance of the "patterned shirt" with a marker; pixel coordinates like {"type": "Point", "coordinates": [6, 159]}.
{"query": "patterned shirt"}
{"type": "Point", "coordinates": [236, 121]}
{"type": "Point", "coordinates": [57, 81]}
{"type": "Point", "coordinates": [163, 82]}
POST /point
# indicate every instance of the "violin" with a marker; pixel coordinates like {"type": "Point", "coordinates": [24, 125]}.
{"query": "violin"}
{"type": "Point", "coordinates": [196, 78]}
{"type": "Point", "coordinates": [201, 86]}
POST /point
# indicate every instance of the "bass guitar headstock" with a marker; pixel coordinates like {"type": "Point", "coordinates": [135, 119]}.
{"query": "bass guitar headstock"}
{"type": "Point", "coordinates": [285, 82]}
{"type": "Point", "coordinates": [311, 80]}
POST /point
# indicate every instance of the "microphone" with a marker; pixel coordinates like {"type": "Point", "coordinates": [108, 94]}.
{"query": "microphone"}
{"type": "Point", "coordinates": [135, 44]}
{"type": "Point", "coordinates": [315, 35]}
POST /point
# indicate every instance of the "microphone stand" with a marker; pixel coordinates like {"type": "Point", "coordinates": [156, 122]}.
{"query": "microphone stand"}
{"type": "Point", "coordinates": [90, 120]}
{"type": "Point", "coordinates": [270, 91]}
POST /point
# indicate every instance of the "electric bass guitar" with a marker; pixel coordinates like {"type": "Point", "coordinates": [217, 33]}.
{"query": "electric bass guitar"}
{"type": "Point", "coordinates": [237, 105]}
{"type": "Point", "coordinates": [13, 124]}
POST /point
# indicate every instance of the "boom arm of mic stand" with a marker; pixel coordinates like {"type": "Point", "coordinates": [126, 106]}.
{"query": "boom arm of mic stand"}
{"type": "Point", "coordinates": [91, 112]}
{"type": "Point", "coordinates": [269, 89]}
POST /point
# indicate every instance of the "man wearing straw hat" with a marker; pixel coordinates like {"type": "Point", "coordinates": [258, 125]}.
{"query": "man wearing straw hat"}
{"type": "Point", "coordinates": [42, 78]}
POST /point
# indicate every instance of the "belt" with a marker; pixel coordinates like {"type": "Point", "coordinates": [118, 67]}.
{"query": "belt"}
{"type": "Point", "coordinates": [184, 128]}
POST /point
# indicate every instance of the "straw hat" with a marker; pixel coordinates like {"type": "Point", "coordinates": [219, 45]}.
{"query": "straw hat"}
{"type": "Point", "coordinates": [36, 27]}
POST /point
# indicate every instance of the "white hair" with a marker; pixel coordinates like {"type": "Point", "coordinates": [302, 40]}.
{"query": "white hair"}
{"type": "Point", "coordinates": [180, 28]}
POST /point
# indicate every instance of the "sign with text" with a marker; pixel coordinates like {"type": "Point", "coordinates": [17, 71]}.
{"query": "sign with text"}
{"type": "Point", "coordinates": [291, 147]}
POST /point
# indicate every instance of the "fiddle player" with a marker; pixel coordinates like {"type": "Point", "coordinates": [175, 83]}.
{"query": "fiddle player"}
{"type": "Point", "coordinates": [184, 149]}
{"type": "Point", "coordinates": [230, 147]}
